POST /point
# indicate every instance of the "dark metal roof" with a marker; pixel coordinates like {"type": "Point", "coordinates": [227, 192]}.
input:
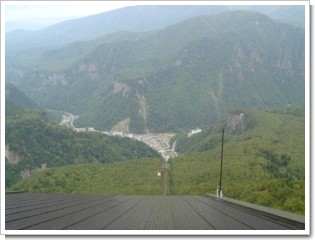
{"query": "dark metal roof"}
{"type": "Point", "coordinates": [94, 212]}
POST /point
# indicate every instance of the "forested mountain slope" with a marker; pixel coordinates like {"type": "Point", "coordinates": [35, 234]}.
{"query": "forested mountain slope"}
{"type": "Point", "coordinates": [201, 69]}
{"type": "Point", "coordinates": [263, 163]}
{"type": "Point", "coordinates": [263, 159]}
{"type": "Point", "coordinates": [14, 96]}
{"type": "Point", "coordinates": [33, 143]}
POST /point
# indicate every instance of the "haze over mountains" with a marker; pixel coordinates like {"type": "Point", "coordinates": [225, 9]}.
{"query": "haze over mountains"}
{"type": "Point", "coordinates": [135, 18]}
{"type": "Point", "coordinates": [200, 68]}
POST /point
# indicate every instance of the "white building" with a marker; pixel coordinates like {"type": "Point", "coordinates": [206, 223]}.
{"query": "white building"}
{"type": "Point", "coordinates": [194, 131]}
{"type": "Point", "coordinates": [117, 134]}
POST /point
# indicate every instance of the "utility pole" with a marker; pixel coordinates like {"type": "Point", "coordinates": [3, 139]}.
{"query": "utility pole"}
{"type": "Point", "coordinates": [163, 172]}
{"type": "Point", "coordinates": [220, 183]}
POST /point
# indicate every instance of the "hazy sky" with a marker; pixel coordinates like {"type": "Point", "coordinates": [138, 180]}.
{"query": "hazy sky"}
{"type": "Point", "coordinates": [40, 10]}
{"type": "Point", "coordinates": [33, 15]}
{"type": "Point", "coordinates": [37, 14]}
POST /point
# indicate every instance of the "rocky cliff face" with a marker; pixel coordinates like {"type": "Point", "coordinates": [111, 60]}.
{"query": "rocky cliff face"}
{"type": "Point", "coordinates": [236, 122]}
{"type": "Point", "coordinates": [11, 157]}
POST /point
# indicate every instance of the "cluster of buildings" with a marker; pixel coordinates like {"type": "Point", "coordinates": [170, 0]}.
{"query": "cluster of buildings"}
{"type": "Point", "coordinates": [89, 129]}
{"type": "Point", "coordinates": [119, 134]}
{"type": "Point", "coordinates": [159, 142]}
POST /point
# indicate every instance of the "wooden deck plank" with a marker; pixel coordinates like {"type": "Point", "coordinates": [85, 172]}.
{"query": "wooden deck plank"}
{"type": "Point", "coordinates": [136, 217]}
{"type": "Point", "coordinates": [44, 204]}
{"type": "Point", "coordinates": [96, 212]}
{"type": "Point", "coordinates": [51, 208]}
{"type": "Point", "coordinates": [14, 200]}
{"type": "Point", "coordinates": [52, 213]}
{"type": "Point", "coordinates": [66, 221]}
{"type": "Point", "coordinates": [161, 216]}
{"type": "Point", "coordinates": [186, 217]}
{"type": "Point", "coordinates": [102, 219]}
{"type": "Point", "coordinates": [242, 215]}
{"type": "Point", "coordinates": [214, 217]}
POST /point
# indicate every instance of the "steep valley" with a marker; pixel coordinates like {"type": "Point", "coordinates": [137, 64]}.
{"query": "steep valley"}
{"type": "Point", "coordinates": [201, 69]}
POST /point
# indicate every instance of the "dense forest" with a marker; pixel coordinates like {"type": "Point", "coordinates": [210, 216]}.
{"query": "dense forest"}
{"type": "Point", "coordinates": [263, 164]}
{"type": "Point", "coordinates": [263, 160]}
{"type": "Point", "coordinates": [34, 142]}
{"type": "Point", "coordinates": [137, 177]}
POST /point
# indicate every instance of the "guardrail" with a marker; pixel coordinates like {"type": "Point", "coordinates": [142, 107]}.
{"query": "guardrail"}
{"type": "Point", "coordinates": [273, 211]}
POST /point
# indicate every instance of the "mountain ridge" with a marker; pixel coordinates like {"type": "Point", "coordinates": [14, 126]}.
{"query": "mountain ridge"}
{"type": "Point", "coordinates": [127, 18]}
{"type": "Point", "coordinates": [230, 60]}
